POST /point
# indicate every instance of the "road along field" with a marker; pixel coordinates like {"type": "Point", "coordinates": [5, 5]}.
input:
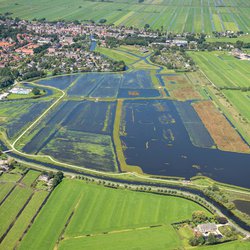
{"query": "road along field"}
{"type": "Point", "coordinates": [178, 16]}
{"type": "Point", "coordinates": [88, 215]}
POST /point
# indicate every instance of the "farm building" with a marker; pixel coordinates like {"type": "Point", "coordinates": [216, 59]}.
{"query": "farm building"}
{"type": "Point", "coordinates": [207, 228]}
{"type": "Point", "coordinates": [20, 91]}
{"type": "Point", "coordinates": [4, 165]}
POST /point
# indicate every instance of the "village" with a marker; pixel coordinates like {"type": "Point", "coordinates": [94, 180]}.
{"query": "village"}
{"type": "Point", "coordinates": [34, 49]}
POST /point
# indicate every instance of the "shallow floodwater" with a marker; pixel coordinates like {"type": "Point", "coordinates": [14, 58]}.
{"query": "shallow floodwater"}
{"type": "Point", "coordinates": [243, 206]}
{"type": "Point", "coordinates": [156, 139]}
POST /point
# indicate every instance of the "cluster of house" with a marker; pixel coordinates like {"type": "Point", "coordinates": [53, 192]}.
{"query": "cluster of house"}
{"type": "Point", "coordinates": [240, 54]}
{"type": "Point", "coordinates": [209, 228]}
{"type": "Point", "coordinates": [4, 166]}
{"type": "Point", "coordinates": [46, 180]}
{"type": "Point", "coordinates": [37, 34]}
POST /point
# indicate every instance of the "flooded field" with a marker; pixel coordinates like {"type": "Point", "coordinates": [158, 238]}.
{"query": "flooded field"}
{"type": "Point", "coordinates": [163, 137]}
{"type": "Point", "coordinates": [155, 138]}
{"type": "Point", "coordinates": [243, 206]}
{"type": "Point", "coordinates": [77, 132]}
{"type": "Point", "coordinates": [60, 82]}
{"type": "Point", "coordinates": [134, 84]}
{"type": "Point", "coordinates": [15, 115]}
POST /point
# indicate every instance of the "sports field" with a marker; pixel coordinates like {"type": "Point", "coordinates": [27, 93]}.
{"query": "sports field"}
{"type": "Point", "coordinates": [102, 218]}
{"type": "Point", "coordinates": [181, 15]}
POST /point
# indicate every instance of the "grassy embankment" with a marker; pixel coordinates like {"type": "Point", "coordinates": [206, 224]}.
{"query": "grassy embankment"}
{"type": "Point", "coordinates": [118, 144]}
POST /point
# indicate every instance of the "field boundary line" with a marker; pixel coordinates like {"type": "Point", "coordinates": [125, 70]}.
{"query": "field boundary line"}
{"type": "Point", "coordinates": [38, 119]}
{"type": "Point", "coordinates": [16, 218]}
{"type": "Point", "coordinates": [8, 194]}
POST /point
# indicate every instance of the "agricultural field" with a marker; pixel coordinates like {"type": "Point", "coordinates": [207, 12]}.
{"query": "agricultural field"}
{"type": "Point", "coordinates": [18, 206]}
{"type": "Point", "coordinates": [178, 16]}
{"type": "Point", "coordinates": [59, 82]}
{"type": "Point", "coordinates": [118, 55]}
{"type": "Point", "coordinates": [180, 87]}
{"type": "Point", "coordinates": [226, 81]}
{"type": "Point", "coordinates": [244, 38]}
{"type": "Point", "coordinates": [224, 135]}
{"type": "Point", "coordinates": [110, 216]}
{"type": "Point", "coordinates": [240, 100]}
{"type": "Point", "coordinates": [16, 115]}
{"type": "Point", "coordinates": [223, 69]}
{"type": "Point", "coordinates": [77, 132]}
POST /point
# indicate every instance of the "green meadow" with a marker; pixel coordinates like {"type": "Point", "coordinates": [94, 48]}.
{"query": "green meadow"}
{"type": "Point", "coordinates": [98, 218]}
{"type": "Point", "coordinates": [240, 100]}
{"type": "Point", "coordinates": [223, 69]}
{"type": "Point", "coordinates": [19, 204]}
{"type": "Point", "coordinates": [178, 16]}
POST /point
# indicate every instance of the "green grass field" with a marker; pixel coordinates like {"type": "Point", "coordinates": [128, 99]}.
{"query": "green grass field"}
{"type": "Point", "coordinates": [30, 177]}
{"type": "Point", "coordinates": [5, 189]}
{"type": "Point", "coordinates": [23, 221]}
{"type": "Point", "coordinates": [223, 69]}
{"type": "Point", "coordinates": [181, 15]}
{"type": "Point", "coordinates": [145, 238]}
{"type": "Point", "coordinates": [19, 208]}
{"type": "Point", "coordinates": [240, 100]}
{"type": "Point", "coordinates": [11, 206]}
{"type": "Point", "coordinates": [126, 215]}
{"type": "Point", "coordinates": [118, 55]}
{"type": "Point", "coordinates": [244, 38]}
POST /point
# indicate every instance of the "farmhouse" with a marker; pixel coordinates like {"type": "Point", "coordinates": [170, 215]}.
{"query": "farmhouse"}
{"type": "Point", "coordinates": [208, 228]}
{"type": "Point", "coordinates": [4, 165]}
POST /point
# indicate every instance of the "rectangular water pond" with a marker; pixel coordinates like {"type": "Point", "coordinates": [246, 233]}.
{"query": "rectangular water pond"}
{"type": "Point", "coordinates": [155, 138]}
{"type": "Point", "coordinates": [60, 82]}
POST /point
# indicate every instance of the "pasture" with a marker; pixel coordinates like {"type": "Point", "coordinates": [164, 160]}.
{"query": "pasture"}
{"type": "Point", "coordinates": [19, 207]}
{"type": "Point", "coordinates": [118, 55]}
{"type": "Point", "coordinates": [223, 69]}
{"type": "Point", "coordinates": [97, 211]}
{"type": "Point", "coordinates": [240, 101]}
{"type": "Point", "coordinates": [178, 16]}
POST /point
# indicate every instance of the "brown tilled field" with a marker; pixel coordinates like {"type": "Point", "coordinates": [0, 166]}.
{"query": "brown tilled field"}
{"type": "Point", "coordinates": [224, 135]}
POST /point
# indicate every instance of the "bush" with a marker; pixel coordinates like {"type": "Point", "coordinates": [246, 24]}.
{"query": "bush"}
{"type": "Point", "coordinates": [199, 217]}
{"type": "Point", "coordinates": [197, 240]}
